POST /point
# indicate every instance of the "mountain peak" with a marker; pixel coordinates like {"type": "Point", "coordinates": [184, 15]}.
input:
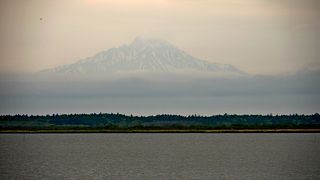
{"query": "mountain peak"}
{"type": "Point", "coordinates": [140, 41]}
{"type": "Point", "coordinates": [144, 55]}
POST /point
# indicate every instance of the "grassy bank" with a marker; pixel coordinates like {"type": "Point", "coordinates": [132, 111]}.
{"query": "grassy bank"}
{"type": "Point", "coordinates": [120, 123]}
{"type": "Point", "coordinates": [163, 131]}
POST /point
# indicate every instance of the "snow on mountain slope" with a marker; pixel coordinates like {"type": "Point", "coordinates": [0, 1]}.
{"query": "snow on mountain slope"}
{"type": "Point", "coordinates": [143, 55]}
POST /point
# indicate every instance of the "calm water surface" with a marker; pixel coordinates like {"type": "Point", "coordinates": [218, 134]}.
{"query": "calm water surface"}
{"type": "Point", "coordinates": [160, 156]}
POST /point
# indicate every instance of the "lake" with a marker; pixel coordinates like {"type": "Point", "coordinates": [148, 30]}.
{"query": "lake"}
{"type": "Point", "coordinates": [160, 156]}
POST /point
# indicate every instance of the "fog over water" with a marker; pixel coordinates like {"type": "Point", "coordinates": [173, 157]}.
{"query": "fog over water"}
{"type": "Point", "coordinates": [179, 94]}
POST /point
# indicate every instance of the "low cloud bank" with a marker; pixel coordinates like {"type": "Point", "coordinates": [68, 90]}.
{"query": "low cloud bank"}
{"type": "Point", "coordinates": [153, 94]}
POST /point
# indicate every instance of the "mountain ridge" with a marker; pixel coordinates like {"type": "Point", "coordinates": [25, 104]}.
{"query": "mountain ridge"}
{"type": "Point", "coordinates": [144, 55]}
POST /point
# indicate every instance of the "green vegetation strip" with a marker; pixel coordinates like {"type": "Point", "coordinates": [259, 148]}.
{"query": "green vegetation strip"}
{"type": "Point", "coordinates": [120, 123]}
{"type": "Point", "coordinates": [168, 131]}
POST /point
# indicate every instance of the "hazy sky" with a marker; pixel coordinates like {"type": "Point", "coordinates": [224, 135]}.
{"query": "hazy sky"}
{"type": "Point", "coordinates": [257, 36]}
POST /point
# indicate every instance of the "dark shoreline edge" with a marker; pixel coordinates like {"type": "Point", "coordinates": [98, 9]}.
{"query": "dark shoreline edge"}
{"type": "Point", "coordinates": [166, 131]}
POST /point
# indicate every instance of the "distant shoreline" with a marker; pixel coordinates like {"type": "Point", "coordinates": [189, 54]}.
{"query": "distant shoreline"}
{"type": "Point", "coordinates": [166, 131]}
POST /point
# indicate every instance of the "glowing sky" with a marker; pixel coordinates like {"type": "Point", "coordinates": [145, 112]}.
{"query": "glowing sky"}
{"type": "Point", "coordinates": [258, 36]}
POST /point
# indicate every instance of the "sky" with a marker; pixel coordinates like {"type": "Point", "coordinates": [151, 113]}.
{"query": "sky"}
{"type": "Point", "coordinates": [258, 36]}
{"type": "Point", "coordinates": [275, 41]}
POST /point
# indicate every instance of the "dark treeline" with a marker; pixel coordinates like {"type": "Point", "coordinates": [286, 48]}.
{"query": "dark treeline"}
{"type": "Point", "coordinates": [121, 122]}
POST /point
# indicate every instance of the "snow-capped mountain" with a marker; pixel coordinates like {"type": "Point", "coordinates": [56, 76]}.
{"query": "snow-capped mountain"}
{"type": "Point", "coordinates": [143, 55]}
